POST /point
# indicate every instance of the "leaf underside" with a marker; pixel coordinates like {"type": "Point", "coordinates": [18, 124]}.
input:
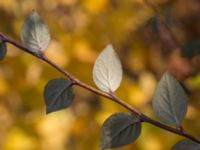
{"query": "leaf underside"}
{"type": "Point", "coordinates": [35, 34]}
{"type": "Point", "coordinates": [107, 71]}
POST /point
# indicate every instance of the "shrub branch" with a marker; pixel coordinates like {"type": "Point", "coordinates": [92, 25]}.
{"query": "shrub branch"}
{"type": "Point", "coordinates": [110, 95]}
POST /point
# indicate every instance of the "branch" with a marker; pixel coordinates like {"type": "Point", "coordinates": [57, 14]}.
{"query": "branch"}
{"type": "Point", "coordinates": [110, 95]}
{"type": "Point", "coordinates": [165, 33]}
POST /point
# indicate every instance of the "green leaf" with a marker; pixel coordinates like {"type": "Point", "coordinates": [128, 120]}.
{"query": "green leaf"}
{"type": "Point", "coordinates": [191, 49]}
{"type": "Point", "coordinates": [58, 94]}
{"type": "Point", "coordinates": [3, 50]}
{"type": "Point", "coordinates": [154, 23]}
{"type": "Point", "coordinates": [170, 100]}
{"type": "Point", "coordinates": [186, 145]}
{"type": "Point", "coordinates": [120, 129]}
{"type": "Point", "coordinates": [107, 71]}
{"type": "Point", "coordinates": [35, 34]}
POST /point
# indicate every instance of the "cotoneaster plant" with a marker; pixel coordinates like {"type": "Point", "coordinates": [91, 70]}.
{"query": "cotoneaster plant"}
{"type": "Point", "coordinates": [122, 128]}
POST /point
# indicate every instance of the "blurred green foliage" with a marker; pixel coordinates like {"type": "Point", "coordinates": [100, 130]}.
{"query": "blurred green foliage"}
{"type": "Point", "coordinates": [191, 49]}
{"type": "Point", "coordinates": [80, 29]}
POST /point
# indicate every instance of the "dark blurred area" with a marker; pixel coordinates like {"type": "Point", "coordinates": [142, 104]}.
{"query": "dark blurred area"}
{"type": "Point", "coordinates": [80, 29]}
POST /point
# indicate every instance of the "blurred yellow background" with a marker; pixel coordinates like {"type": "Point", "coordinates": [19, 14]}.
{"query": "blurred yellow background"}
{"type": "Point", "coordinates": [80, 29]}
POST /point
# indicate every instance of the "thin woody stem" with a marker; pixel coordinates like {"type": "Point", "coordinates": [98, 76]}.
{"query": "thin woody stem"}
{"type": "Point", "coordinates": [170, 129]}
{"type": "Point", "coordinates": [109, 95]}
{"type": "Point", "coordinates": [150, 5]}
{"type": "Point", "coordinates": [165, 33]}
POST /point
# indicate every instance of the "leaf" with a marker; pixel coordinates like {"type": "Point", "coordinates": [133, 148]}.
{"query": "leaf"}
{"type": "Point", "coordinates": [58, 94]}
{"type": "Point", "coordinates": [120, 129]}
{"type": "Point", "coordinates": [170, 100]}
{"type": "Point", "coordinates": [35, 34]}
{"type": "Point", "coordinates": [107, 71]}
{"type": "Point", "coordinates": [154, 22]}
{"type": "Point", "coordinates": [186, 145]}
{"type": "Point", "coordinates": [191, 49]}
{"type": "Point", "coordinates": [3, 50]}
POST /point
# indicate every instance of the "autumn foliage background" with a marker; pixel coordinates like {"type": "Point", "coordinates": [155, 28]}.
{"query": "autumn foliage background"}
{"type": "Point", "coordinates": [80, 29]}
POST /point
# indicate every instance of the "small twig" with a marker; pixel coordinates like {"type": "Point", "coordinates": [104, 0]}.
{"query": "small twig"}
{"type": "Point", "coordinates": [129, 107]}
{"type": "Point", "coordinates": [170, 129]}
{"type": "Point", "coordinates": [109, 95]}
{"type": "Point", "coordinates": [165, 33]}
{"type": "Point", "coordinates": [150, 5]}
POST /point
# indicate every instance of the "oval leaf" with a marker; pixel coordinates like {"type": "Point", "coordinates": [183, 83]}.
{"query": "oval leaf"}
{"type": "Point", "coordinates": [58, 94]}
{"type": "Point", "coordinates": [186, 145]}
{"type": "Point", "coordinates": [170, 100]}
{"type": "Point", "coordinates": [120, 129]}
{"type": "Point", "coordinates": [107, 71]}
{"type": "Point", "coordinates": [35, 34]}
{"type": "Point", "coordinates": [3, 49]}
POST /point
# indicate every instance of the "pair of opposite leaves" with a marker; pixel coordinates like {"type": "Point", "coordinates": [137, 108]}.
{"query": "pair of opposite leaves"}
{"type": "Point", "coordinates": [170, 100]}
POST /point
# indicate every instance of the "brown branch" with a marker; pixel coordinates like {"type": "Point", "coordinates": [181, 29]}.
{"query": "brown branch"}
{"type": "Point", "coordinates": [151, 5]}
{"type": "Point", "coordinates": [180, 66]}
{"type": "Point", "coordinates": [165, 33]}
{"type": "Point", "coordinates": [110, 95]}
{"type": "Point", "coordinates": [170, 129]}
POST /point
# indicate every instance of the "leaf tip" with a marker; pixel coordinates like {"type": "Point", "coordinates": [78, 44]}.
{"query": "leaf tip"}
{"type": "Point", "coordinates": [109, 46]}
